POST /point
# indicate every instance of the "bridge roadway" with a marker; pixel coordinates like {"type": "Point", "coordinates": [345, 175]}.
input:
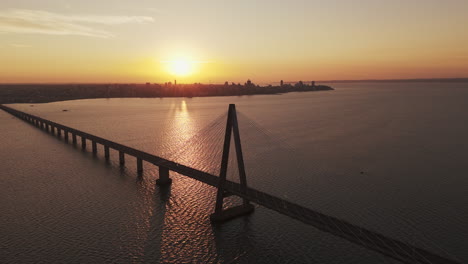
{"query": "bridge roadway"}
{"type": "Point", "coordinates": [371, 240]}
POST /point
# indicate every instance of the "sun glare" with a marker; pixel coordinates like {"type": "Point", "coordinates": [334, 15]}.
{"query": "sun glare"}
{"type": "Point", "coordinates": [180, 67]}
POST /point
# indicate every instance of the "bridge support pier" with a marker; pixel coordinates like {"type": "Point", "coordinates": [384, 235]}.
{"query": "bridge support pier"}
{"type": "Point", "coordinates": [59, 132]}
{"type": "Point", "coordinates": [232, 213]}
{"type": "Point", "coordinates": [163, 177]}
{"type": "Point", "coordinates": [94, 144]}
{"type": "Point", "coordinates": [139, 165]}
{"type": "Point", "coordinates": [65, 135]}
{"type": "Point", "coordinates": [121, 158]}
{"type": "Point", "coordinates": [83, 142]}
{"type": "Point", "coordinates": [221, 214]}
{"type": "Point", "coordinates": [74, 139]}
{"type": "Point", "coordinates": [106, 153]}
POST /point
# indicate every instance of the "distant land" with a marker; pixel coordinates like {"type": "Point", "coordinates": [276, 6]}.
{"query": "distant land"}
{"type": "Point", "coordinates": [43, 93]}
{"type": "Point", "coordinates": [445, 80]}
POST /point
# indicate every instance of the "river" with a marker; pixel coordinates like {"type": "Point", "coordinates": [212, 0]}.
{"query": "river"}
{"type": "Point", "coordinates": [391, 157]}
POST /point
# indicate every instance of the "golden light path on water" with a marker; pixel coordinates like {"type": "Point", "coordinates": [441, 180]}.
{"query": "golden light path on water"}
{"type": "Point", "coordinates": [183, 126]}
{"type": "Point", "coordinates": [181, 219]}
{"type": "Point", "coordinates": [183, 225]}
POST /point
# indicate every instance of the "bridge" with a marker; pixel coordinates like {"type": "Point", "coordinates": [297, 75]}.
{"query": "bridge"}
{"type": "Point", "coordinates": [387, 246]}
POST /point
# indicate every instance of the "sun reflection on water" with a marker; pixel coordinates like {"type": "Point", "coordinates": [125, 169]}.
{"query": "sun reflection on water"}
{"type": "Point", "coordinates": [183, 127]}
{"type": "Point", "coordinates": [191, 143]}
{"type": "Point", "coordinates": [173, 221]}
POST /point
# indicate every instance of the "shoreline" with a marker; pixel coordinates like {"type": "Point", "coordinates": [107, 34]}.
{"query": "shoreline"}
{"type": "Point", "coordinates": [23, 94]}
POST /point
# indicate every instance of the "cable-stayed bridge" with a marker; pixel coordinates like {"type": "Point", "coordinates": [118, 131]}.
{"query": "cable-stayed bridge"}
{"type": "Point", "coordinates": [395, 249]}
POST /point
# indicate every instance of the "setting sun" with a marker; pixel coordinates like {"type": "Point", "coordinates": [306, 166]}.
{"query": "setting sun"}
{"type": "Point", "coordinates": [180, 67]}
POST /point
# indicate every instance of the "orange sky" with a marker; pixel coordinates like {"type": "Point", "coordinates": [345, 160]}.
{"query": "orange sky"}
{"type": "Point", "coordinates": [214, 41]}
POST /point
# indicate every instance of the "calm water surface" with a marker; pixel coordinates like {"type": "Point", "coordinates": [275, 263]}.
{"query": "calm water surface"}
{"type": "Point", "coordinates": [389, 157]}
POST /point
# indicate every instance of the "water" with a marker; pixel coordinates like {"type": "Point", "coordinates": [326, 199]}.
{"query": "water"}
{"type": "Point", "coordinates": [389, 157]}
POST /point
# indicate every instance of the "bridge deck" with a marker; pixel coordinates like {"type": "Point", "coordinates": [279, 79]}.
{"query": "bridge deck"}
{"type": "Point", "coordinates": [358, 235]}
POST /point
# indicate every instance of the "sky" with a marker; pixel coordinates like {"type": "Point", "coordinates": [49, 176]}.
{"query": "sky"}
{"type": "Point", "coordinates": [212, 41]}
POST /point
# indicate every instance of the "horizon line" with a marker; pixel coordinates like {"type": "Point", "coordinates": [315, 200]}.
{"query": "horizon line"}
{"type": "Point", "coordinates": [455, 79]}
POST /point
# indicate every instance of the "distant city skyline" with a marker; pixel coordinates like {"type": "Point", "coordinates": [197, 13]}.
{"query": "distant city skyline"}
{"type": "Point", "coordinates": [55, 41]}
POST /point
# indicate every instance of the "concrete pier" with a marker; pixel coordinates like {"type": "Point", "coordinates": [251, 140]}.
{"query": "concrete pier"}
{"type": "Point", "coordinates": [59, 132]}
{"type": "Point", "coordinates": [139, 165]}
{"type": "Point", "coordinates": [94, 144]}
{"type": "Point", "coordinates": [121, 158]}
{"type": "Point", "coordinates": [163, 176]}
{"type": "Point", "coordinates": [231, 213]}
{"type": "Point", "coordinates": [83, 142]}
{"type": "Point", "coordinates": [106, 153]}
{"type": "Point", "coordinates": [65, 135]}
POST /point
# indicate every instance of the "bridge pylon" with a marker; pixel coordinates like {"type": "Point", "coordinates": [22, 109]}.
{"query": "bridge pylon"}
{"type": "Point", "coordinates": [221, 214]}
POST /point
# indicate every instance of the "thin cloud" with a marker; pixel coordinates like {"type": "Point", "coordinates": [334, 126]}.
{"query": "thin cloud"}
{"type": "Point", "coordinates": [42, 22]}
{"type": "Point", "coordinates": [15, 45]}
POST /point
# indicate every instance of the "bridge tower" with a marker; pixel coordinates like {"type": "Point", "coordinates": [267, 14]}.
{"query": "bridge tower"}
{"type": "Point", "coordinates": [220, 214]}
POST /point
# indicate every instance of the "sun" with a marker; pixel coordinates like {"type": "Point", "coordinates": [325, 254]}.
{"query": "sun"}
{"type": "Point", "coordinates": [180, 67]}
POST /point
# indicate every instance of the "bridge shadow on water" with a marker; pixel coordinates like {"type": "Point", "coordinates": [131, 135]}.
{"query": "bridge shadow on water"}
{"type": "Point", "coordinates": [173, 237]}
{"type": "Point", "coordinates": [153, 249]}
{"type": "Point", "coordinates": [240, 244]}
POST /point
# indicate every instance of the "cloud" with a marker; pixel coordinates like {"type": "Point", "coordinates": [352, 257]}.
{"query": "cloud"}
{"type": "Point", "coordinates": [15, 45]}
{"type": "Point", "coordinates": [42, 22]}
